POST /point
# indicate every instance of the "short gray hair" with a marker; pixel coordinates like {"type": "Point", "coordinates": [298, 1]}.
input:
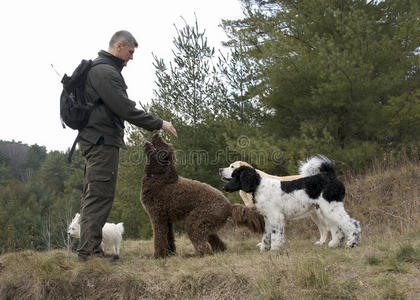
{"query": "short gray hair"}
{"type": "Point", "coordinates": [124, 36]}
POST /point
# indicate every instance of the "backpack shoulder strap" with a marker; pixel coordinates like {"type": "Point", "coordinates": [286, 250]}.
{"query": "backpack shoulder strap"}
{"type": "Point", "coordinates": [73, 147]}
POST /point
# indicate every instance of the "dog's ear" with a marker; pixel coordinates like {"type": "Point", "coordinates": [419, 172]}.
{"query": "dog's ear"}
{"type": "Point", "coordinates": [233, 185]}
{"type": "Point", "coordinates": [249, 179]}
{"type": "Point", "coordinates": [76, 218]}
{"type": "Point", "coordinates": [243, 178]}
{"type": "Point", "coordinates": [237, 172]}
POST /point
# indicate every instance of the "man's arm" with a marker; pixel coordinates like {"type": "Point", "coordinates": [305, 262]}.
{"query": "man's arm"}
{"type": "Point", "coordinates": [110, 87]}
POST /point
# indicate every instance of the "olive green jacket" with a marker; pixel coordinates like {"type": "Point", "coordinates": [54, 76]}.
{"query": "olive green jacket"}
{"type": "Point", "coordinates": [106, 88]}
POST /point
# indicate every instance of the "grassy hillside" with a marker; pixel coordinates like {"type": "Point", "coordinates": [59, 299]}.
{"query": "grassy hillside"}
{"type": "Point", "coordinates": [385, 266]}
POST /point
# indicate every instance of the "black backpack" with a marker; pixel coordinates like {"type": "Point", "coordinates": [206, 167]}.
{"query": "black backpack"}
{"type": "Point", "coordinates": [74, 109]}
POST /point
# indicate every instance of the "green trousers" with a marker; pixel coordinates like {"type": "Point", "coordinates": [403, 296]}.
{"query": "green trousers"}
{"type": "Point", "coordinates": [100, 179]}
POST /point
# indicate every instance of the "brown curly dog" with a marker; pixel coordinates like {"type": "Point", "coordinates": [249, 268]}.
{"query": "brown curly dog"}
{"type": "Point", "coordinates": [168, 198]}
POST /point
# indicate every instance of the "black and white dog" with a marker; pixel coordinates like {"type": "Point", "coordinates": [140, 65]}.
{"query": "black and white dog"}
{"type": "Point", "coordinates": [279, 201]}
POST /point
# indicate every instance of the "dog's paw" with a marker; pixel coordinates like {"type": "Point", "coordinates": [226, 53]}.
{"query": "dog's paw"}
{"type": "Point", "coordinates": [319, 243]}
{"type": "Point", "coordinates": [333, 244]}
{"type": "Point", "coordinates": [351, 244]}
{"type": "Point", "coordinates": [264, 248]}
{"type": "Point", "coordinates": [276, 246]}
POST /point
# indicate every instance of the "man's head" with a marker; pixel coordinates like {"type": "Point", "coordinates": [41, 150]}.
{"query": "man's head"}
{"type": "Point", "coordinates": [122, 45]}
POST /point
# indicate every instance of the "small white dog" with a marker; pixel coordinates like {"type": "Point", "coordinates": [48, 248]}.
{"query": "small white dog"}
{"type": "Point", "coordinates": [111, 234]}
{"type": "Point", "coordinates": [319, 192]}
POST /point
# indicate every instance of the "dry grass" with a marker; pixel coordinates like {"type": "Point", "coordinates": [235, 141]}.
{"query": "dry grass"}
{"type": "Point", "coordinates": [380, 268]}
{"type": "Point", "coordinates": [385, 266]}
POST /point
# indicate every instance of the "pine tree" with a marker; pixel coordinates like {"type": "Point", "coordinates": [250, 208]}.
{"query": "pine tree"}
{"type": "Point", "coordinates": [191, 94]}
{"type": "Point", "coordinates": [338, 76]}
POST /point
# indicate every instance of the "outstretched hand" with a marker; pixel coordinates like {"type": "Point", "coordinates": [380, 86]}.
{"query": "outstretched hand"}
{"type": "Point", "coordinates": [167, 126]}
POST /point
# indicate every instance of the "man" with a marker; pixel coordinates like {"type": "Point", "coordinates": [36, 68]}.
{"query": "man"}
{"type": "Point", "coordinates": [101, 139]}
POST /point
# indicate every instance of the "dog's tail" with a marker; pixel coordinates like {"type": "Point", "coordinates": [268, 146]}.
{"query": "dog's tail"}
{"type": "Point", "coordinates": [315, 165]}
{"type": "Point", "coordinates": [248, 217]}
{"type": "Point", "coordinates": [120, 227]}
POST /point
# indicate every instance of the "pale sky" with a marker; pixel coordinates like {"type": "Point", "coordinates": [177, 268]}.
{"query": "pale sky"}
{"type": "Point", "coordinates": [38, 33]}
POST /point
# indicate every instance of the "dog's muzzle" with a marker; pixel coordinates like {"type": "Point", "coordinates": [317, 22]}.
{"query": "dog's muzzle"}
{"type": "Point", "coordinates": [222, 176]}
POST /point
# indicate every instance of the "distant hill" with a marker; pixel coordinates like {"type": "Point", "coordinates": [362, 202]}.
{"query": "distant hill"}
{"type": "Point", "coordinates": [15, 153]}
{"type": "Point", "coordinates": [21, 159]}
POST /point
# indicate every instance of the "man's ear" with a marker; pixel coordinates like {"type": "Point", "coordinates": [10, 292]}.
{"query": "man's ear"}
{"type": "Point", "coordinates": [249, 179]}
{"type": "Point", "coordinates": [118, 45]}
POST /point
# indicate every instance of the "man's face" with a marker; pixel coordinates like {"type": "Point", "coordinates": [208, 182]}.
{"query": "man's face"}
{"type": "Point", "coordinates": [125, 52]}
